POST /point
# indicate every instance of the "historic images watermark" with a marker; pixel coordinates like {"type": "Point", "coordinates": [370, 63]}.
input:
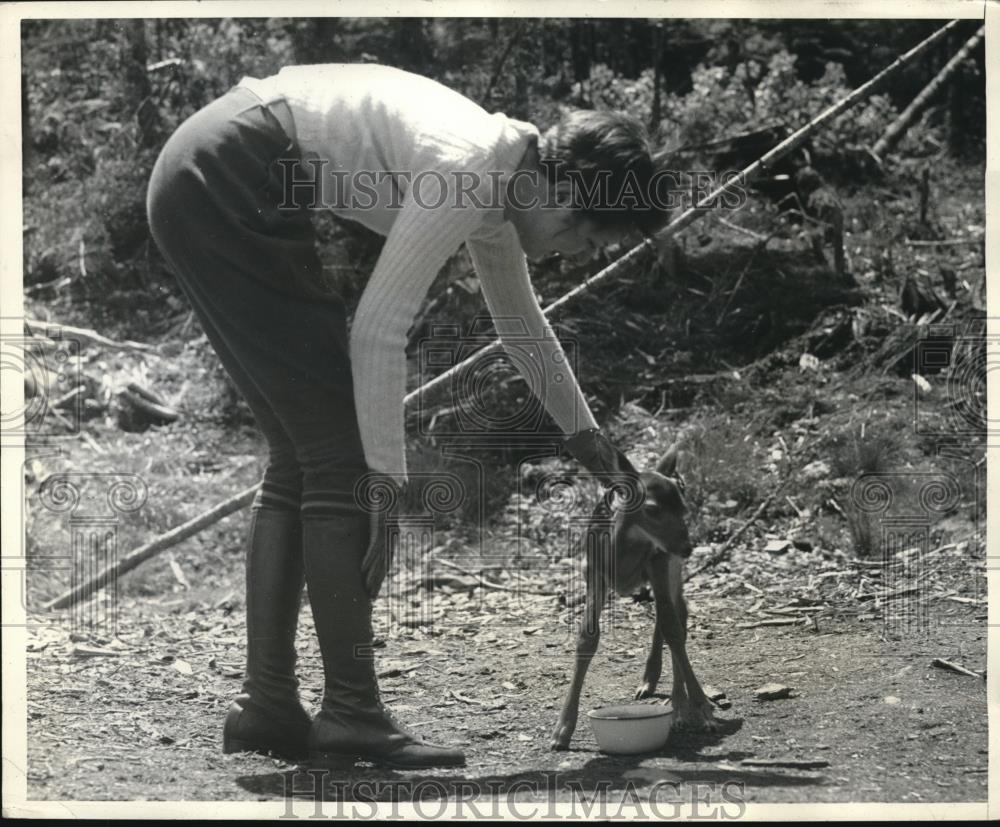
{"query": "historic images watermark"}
{"type": "Point", "coordinates": [317, 183]}
{"type": "Point", "coordinates": [551, 795]}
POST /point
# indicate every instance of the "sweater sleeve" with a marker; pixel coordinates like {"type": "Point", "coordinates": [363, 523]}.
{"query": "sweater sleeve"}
{"type": "Point", "coordinates": [503, 273]}
{"type": "Point", "coordinates": [421, 240]}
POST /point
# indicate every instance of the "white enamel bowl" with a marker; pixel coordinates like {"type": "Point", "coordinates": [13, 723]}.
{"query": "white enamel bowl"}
{"type": "Point", "coordinates": [631, 729]}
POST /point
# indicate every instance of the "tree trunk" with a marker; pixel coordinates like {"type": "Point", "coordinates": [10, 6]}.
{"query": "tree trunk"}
{"type": "Point", "coordinates": [956, 121]}
{"type": "Point", "coordinates": [578, 55]}
{"type": "Point", "coordinates": [515, 36]}
{"type": "Point", "coordinates": [412, 44]}
{"type": "Point", "coordinates": [521, 108]}
{"type": "Point", "coordinates": [316, 41]}
{"type": "Point", "coordinates": [25, 131]}
{"type": "Point", "coordinates": [898, 128]}
{"type": "Point", "coordinates": [136, 81]}
{"type": "Point", "coordinates": [656, 115]}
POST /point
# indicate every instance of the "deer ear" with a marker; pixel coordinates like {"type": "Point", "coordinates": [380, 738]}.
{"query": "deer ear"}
{"type": "Point", "coordinates": [625, 465]}
{"type": "Point", "coordinates": [668, 462]}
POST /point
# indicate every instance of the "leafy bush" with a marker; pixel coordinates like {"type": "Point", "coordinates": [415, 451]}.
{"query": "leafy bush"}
{"type": "Point", "coordinates": [751, 95]}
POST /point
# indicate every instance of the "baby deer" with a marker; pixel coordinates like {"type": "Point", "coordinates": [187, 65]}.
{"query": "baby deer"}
{"type": "Point", "coordinates": [641, 542]}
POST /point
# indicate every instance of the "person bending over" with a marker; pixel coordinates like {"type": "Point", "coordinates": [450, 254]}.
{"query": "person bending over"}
{"type": "Point", "coordinates": [230, 201]}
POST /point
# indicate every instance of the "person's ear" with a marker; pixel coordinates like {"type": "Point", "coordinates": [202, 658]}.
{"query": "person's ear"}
{"type": "Point", "coordinates": [562, 194]}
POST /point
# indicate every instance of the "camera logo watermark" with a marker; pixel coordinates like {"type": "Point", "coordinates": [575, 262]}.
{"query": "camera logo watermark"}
{"type": "Point", "coordinates": [95, 504]}
{"type": "Point", "coordinates": [963, 358]}
{"type": "Point", "coordinates": [50, 370]}
{"type": "Point", "coordinates": [543, 363]}
{"type": "Point", "coordinates": [580, 531]}
{"type": "Point", "coordinates": [408, 529]}
{"type": "Point", "coordinates": [901, 510]}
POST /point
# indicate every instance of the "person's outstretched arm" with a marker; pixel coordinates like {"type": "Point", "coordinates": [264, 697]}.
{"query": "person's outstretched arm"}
{"type": "Point", "coordinates": [503, 274]}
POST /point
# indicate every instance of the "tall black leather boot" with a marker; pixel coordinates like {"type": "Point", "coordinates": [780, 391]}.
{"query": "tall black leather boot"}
{"type": "Point", "coordinates": [268, 716]}
{"type": "Point", "coordinates": [352, 722]}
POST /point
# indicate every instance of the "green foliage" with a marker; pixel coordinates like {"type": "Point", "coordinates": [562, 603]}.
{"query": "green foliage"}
{"type": "Point", "coordinates": [608, 90]}
{"type": "Point", "coordinates": [724, 101]}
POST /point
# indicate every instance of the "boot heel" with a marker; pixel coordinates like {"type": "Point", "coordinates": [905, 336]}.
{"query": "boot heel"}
{"type": "Point", "coordinates": [231, 745]}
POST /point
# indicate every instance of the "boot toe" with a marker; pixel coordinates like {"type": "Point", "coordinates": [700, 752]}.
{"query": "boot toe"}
{"type": "Point", "coordinates": [373, 735]}
{"type": "Point", "coordinates": [423, 754]}
{"type": "Point", "coordinates": [411, 755]}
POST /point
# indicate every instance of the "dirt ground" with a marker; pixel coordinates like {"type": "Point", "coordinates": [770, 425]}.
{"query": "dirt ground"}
{"type": "Point", "coordinates": [144, 720]}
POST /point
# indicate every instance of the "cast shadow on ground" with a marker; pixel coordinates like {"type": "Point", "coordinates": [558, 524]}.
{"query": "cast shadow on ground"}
{"type": "Point", "coordinates": [603, 773]}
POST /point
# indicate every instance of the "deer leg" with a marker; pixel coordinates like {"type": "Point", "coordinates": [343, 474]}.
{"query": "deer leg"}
{"type": "Point", "coordinates": [665, 610]}
{"type": "Point", "coordinates": [654, 666]}
{"type": "Point", "coordinates": [691, 707]}
{"type": "Point", "coordinates": [586, 646]}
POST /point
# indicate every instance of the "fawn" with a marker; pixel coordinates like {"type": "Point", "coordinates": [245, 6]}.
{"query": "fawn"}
{"type": "Point", "coordinates": [625, 549]}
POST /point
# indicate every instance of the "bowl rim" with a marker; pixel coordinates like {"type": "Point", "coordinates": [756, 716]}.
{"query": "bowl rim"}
{"type": "Point", "coordinates": [595, 714]}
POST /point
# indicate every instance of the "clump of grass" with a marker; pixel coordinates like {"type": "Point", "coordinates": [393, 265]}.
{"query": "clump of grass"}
{"type": "Point", "coordinates": [720, 464]}
{"type": "Point", "coordinates": [865, 530]}
{"type": "Point", "coordinates": [863, 450]}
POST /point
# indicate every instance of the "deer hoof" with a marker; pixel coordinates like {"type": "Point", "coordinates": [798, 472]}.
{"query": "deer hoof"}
{"type": "Point", "coordinates": [645, 690]}
{"type": "Point", "coordinates": [695, 719]}
{"type": "Point", "coordinates": [561, 738]}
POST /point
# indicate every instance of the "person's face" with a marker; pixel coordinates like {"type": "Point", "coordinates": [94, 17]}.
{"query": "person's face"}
{"type": "Point", "coordinates": [564, 231]}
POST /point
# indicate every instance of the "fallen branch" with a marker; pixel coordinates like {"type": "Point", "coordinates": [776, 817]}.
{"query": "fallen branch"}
{"type": "Point", "coordinates": [152, 548]}
{"type": "Point", "coordinates": [965, 600]}
{"type": "Point", "coordinates": [784, 621]}
{"type": "Point", "coordinates": [739, 282]}
{"type": "Point", "coordinates": [904, 592]}
{"type": "Point", "coordinates": [488, 584]}
{"type": "Point", "coordinates": [802, 612]}
{"type": "Point", "coordinates": [66, 397]}
{"type": "Point", "coordinates": [144, 401]}
{"type": "Point", "coordinates": [949, 242]}
{"type": "Point", "coordinates": [954, 667]}
{"type": "Point", "coordinates": [31, 289]}
{"type": "Point", "coordinates": [458, 696]}
{"type": "Point", "coordinates": [784, 763]}
{"type": "Point", "coordinates": [753, 234]}
{"type": "Point", "coordinates": [64, 331]}
{"type": "Point", "coordinates": [899, 126]}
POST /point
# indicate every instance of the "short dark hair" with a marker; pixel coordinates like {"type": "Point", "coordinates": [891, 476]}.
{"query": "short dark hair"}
{"type": "Point", "coordinates": [588, 145]}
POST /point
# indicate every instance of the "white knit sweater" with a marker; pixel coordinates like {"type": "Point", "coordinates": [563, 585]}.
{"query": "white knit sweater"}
{"type": "Point", "coordinates": [363, 118]}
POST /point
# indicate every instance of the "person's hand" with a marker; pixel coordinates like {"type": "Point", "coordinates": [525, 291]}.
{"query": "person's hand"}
{"type": "Point", "coordinates": [380, 496]}
{"type": "Point", "coordinates": [595, 452]}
